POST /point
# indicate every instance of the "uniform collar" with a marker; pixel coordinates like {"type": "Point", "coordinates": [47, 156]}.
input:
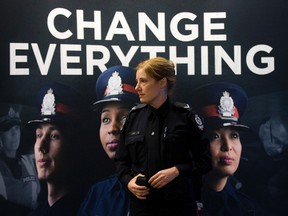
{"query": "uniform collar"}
{"type": "Point", "coordinates": [162, 110]}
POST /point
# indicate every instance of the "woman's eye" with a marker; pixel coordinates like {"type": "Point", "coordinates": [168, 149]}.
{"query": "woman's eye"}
{"type": "Point", "coordinates": [142, 80]}
{"type": "Point", "coordinates": [213, 136]}
{"type": "Point", "coordinates": [235, 135]}
{"type": "Point", "coordinates": [38, 135]}
{"type": "Point", "coordinates": [55, 136]}
{"type": "Point", "coordinates": [105, 120]}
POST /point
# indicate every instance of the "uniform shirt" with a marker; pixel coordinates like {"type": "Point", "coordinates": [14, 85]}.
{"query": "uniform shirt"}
{"type": "Point", "coordinates": [105, 198]}
{"type": "Point", "coordinates": [156, 139]}
{"type": "Point", "coordinates": [228, 202]}
{"type": "Point", "coordinates": [18, 181]}
{"type": "Point", "coordinates": [68, 205]}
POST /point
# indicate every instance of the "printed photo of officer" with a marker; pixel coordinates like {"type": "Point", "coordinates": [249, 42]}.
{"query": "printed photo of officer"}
{"type": "Point", "coordinates": [19, 185]}
{"type": "Point", "coordinates": [221, 105]}
{"type": "Point", "coordinates": [60, 137]}
{"type": "Point", "coordinates": [115, 91]}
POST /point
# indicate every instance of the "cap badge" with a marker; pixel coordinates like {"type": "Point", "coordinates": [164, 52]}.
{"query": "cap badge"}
{"type": "Point", "coordinates": [199, 122]}
{"type": "Point", "coordinates": [226, 107]}
{"type": "Point", "coordinates": [48, 104]}
{"type": "Point", "coordinates": [115, 86]}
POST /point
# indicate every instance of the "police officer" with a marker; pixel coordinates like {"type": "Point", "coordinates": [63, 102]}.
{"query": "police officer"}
{"type": "Point", "coordinates": [116, 96]}
{"type": "Point", "coordinates": [60, 137]}
{"type": "Point", "coordinates": [222, 105]}
{"type": "Point", "coordinates": [154, 157]}
{"type": "Point", "coordinates": [19, 186]}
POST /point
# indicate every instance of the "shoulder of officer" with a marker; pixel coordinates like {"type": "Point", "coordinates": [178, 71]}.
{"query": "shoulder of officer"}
{"type": "Point", "coordinates": [138, 107]}
{"type": "Point", "coordinates": [183, 106]}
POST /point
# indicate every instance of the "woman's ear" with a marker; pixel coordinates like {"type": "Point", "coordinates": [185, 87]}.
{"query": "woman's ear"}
{"type": "Point", "coordinates": [163, 82]}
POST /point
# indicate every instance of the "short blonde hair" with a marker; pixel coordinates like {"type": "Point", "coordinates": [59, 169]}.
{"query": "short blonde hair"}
{"type": "Point", "coordinates": [159, 68]}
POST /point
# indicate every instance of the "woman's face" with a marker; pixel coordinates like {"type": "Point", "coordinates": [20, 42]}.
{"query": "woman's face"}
{"type": "Point", "coordinates": [225, 148]}
{"type": "Point", "coordinates": [148, 89]}
{"type": "Point", "coordinates": [113, 117]}
{"type": "Point", "coordinates": [51, 152]}
{"type": "Point", "coordinates": [11, 139]}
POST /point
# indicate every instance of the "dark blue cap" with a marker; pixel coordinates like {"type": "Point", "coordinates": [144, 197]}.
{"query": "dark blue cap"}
{"type": "Point", "coordinates": [220, 104]}
{"type": "Point", "coordinates": [9, 116]}
{"type": "Point", "coordinates": [116, 84]}
{"type": "Point", "coordinates": [58, 103]}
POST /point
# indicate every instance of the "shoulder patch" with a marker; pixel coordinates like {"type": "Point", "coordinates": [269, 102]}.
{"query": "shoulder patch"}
{"type": "Point", "coordinates": [199, 122]}
{"type": "Point", "coordinates": [182, 105]}
{"type": "Point", "coordinates": [138, 106]}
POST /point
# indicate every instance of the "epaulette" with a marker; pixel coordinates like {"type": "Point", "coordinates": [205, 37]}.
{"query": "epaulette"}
{"type": "Point", "coordinates": [182, 105]}
{"type": "Point", "coordinates": [138, 106]}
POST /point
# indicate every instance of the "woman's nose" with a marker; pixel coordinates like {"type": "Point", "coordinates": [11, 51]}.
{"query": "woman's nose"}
{"type": "Point", "coordinates": [115, 128]}
{"type": "Point", "coordinates": [137, 87]}
{"type": "Point", "coordinates": [226, 144]}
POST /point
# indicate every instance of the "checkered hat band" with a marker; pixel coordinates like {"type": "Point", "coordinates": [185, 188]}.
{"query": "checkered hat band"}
{"type": "Point", "coordinates": [212, 111]}
{"type": "Point", "coordinates": [126, 88]}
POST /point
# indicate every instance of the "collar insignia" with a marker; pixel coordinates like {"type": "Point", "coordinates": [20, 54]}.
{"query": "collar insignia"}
{"type": "Point", "coordinates": [115, 86]}
{"type": "Point", "coordinates": [48, 104]}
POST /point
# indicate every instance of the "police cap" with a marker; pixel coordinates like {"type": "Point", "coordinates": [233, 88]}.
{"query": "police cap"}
{"type": "Point", "coordinates": [116, 84]}
{"type": "Point", "coordinates": [58, 103]}
{"type": "Point", "coordinates": [9, 116]}
{"type": "Point", "coordinates": [220, 104]}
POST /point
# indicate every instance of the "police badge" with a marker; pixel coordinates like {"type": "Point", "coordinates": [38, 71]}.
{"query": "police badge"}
{"type": "Point", "coordinates": [48, 104]}
{"type": "Point", "coordinates": [226, 107]}
{"type": "Point", "coordinates": [115, 86]}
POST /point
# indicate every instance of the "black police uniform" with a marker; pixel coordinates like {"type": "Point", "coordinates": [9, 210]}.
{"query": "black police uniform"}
{"type": "Point", "coordinates": [157, 139]}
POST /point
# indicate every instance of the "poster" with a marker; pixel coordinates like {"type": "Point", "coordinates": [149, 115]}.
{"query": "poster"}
{"type": "Point", "coordinates": [242, 42]}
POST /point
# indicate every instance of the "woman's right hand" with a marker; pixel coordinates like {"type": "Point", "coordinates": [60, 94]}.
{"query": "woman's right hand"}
{"type": "Point", "coordinates": [139, 191]}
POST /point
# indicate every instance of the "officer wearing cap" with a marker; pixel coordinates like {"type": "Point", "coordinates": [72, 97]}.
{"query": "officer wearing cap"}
{"type": "Point", "coordinates": [115, 91]}
{"type": "Point", "coordinates": [221, 105]}
{"type": "Point", "coordinates": [19, 186]}
{"type": "Point", "coordinates": [116, 96]}
{"type": "Point", "coordinates": [60, 136]}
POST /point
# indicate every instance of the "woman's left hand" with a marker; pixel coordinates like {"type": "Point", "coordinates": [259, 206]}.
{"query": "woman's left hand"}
{"type": "Point", "coordinates": [163, 177]}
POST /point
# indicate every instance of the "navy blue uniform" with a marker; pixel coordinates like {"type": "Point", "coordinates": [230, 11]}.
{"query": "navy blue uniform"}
{"type": "Point", "coordinates": [67, 205]}
{"type": "Point", "coordinates": [157, 139]}
{"type": "Point", "coordinates": [106, 197]}
{"type": "Point", "coordinates": [228, 202]}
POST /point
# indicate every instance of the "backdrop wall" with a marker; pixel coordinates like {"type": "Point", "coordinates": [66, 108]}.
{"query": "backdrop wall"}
{"type": "Point", "coordinates": [243, 42]}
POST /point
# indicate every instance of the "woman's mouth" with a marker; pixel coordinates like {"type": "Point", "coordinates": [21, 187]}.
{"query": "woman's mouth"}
{"type": "Point", "coordinates": [226, 160]}
{"type": "Point", "coordinates": [112, 145]}
{"type": "Point", "coordinates": [42, 163]}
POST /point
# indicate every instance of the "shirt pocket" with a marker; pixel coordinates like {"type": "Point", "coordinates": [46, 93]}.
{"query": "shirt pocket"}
{"type": "Point", "coordinates": [135, 145]}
